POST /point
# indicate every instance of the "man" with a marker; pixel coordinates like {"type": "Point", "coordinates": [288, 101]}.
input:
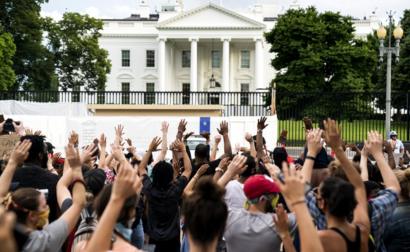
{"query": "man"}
{"type": "Point", "coordinates": [396, 144]}
{"type": "Point", "coordinates": [34, 173]}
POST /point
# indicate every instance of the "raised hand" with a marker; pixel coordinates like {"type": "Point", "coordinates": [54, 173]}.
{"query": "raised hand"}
{"type": "Point", "coordinates": [206, 135]}
{"type": "Point", "coordinates": [293, 186]}
{"type": "Point", "coordinates": [218, 139]}
{"type": "Point", "coordinates": [88, 153]}
{"type": "Point", "coordinates": [119, 130]}
{"type": "Point", "coordinates": [153, 146]}
{"type": "Point", "coordinates": [314, 143]}
{"type": "Point", "coordinates": [125, 180]}
{"type": "Point", "coordinates": [308, 123]}
{"type": "Point", "coordinates": [19, 128]}
{"type": "Point", "coordinates": [182, 125]}
{"type": "Point", "coordinates": [164, 127]}
{"type": "Point", "coordinates": [262, 123]}
{"type": "Point", "coordinates": [281, 220]}
{"type": "Point", "coordinates": [332, 134]}
{"type": "Point", "coordinates": [374, 143]}
{"type": "Point", "coordinates": [223, 128]}
{"type": "Point", "coordinates": [179, 146]}
{"type": "Point", "coordinates": [237, 166]}
{"type": "Point", "coordinates": [201, 171]}
{"type": "Point", "coordinates": [129, 141]}
{"type": "Point", "coordinates": [387, 147]}
{"type": "Point", "coordinates": [224, 163]}
{"type": "Point", "coordinates": [103, 141]}
{"type": "Point", "coordinates": [20, 152]}
{"type": "Point", "coordinates": [73, 138]}
{"type": "Point", "coordinates": [248, 137]}
{"type": "Point", "coordinates": [188, 135]}
{"type": "Point", "coordinates": [73, 156]}
{"type": "Point", "coordinates": [117, 153]}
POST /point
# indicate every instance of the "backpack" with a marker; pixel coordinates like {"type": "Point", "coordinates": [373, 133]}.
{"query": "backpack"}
{"type": "Point", "coordinates": [87, 225]}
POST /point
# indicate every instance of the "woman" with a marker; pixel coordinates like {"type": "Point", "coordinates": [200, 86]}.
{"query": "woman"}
{"type": "Point", "coordinates": [397, 236]}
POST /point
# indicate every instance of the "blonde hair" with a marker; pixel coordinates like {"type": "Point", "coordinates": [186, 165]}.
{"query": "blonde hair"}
{"type": "Point", "coordinates": [404, 179]}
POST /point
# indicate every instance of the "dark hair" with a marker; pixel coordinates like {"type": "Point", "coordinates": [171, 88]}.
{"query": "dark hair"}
{"type": "Point", "coordinates": [404, 179]}
{"type": "Point", "coordinates": [336, 169]}
{"type": "Point", "coordinates": [23, 201]}
{"type": "Point", "coordinates": [251, 166]}
{"type": "Point", "coordinates": [338, 196]}
{"type": "Point", "coordinates": [37, 149]}
{"type": "Point", "coordinates": [94, 179]}
{"type": "Point", "coordinates": [103, 198]}
{"type": "Point", "coordinates": [205, 211]}
{"type": "Point", "coordinates": [279, 156]}
{"type": "Point", "coordinates": [162, 175]}
{"type": "Point", "coordinates": [202, 151]}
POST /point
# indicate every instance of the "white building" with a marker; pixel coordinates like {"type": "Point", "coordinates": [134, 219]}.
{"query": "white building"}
{"type": "Point", "coordinates": [209, 48]}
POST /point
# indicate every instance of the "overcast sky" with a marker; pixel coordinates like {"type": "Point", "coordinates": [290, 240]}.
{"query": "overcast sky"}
{"type": "Point", "coordinates": [123, 8]}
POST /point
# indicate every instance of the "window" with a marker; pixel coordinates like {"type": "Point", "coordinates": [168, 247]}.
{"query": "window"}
{"type": "Point", "coordinates": [216, 59]}
{"type": "Point", "coordinates": [150, 58]}
{"type": "Point", "coordinates": [244, 93]}
{"type": "Point", "coordinates": [149, 97]}
{"type": "Point", "coordinates": [186, 58]}
{"type": "Point", "coordinates": [75, 97]}
{"type": "Point", "coordinates": [245, 59]}
{"type": "Point", "coordinates": [125, 58]}
{"type": "Point", "coordinates": [186, 90]}
{"type": "Point", "coordinates": [125, 95]}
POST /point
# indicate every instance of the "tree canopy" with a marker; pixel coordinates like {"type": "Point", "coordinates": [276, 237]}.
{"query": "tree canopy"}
{"type": "Point", "coordinates": [7, 51]}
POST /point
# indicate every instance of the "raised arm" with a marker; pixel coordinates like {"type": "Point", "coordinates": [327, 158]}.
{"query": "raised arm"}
{"type": "Point", "coordinates": [72, 214]}
{"type": "Point", "coordinates": [164, 145]}
{"type": "Point", "coordinates": [333, 139]}
{"type": "Point", "coordinates": [252, 148]}
{"type": "Point", "coordinates": [214, 148]}
{"type": "Point", "coordinates": [142, 168]}
{"type": "Point", "coordinates": [224, 132]}
{"type": "Point", "coordinates": [17, 157]}
{"type": "Point", "coordinates": [188, 189]}
{"type": "Point", "coordinates": [181, 129]}
{"type": "Point", "coordinates": [314, 146]}
{"type": "Point", "coordinates": [364, 171]}
{"type": "Point", "coordinates": [236, 167]}
{"type": "Point", "coordinates": [126, 184]}
{"type": "Point", "coordinates": [259, 137]}
{"type": "Point", "coordinates": [293, 190]}
{"type": "Point", "coordinates": [103, 147]}
{"type": "Point", "coordinates": [119, 132]}
{"type": "Point", "coordinates": [390, 156]}
{"type": "Point", "coordinates": [374, 144]}
{"type": "Point", "coordinates": [180, 146]}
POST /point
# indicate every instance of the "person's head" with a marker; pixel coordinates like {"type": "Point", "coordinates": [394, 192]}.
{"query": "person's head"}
{"type": "Point", "coordinates": [404, 179]}
{"type": "Point", "coordinates": [202, 152]}
{"type": "Point", "coordinates": [95, 180]}
{"type": "Point", "coordinates": [250, 166]}
{"type": "Point", "coordinates": [261, 192]}
{"type": "Point", "coordinates": [38, 150]}
{"type": "Point", "coordinates": [279, 156]}
{"type": "Point", "coordinates": [335, 197]}
{"type": "Point", "coordinates": [393, 135]}
{"type": "Point", "coordinates": [336, 169]}
{"type": "Point", "coordinates": [162, 175]}
{"type": "Point", "coordinates": [205, 213]}
{"type": "Point", "coordinates": [127, 214]}
{"type": "Point", "coordinates": [30, 207]}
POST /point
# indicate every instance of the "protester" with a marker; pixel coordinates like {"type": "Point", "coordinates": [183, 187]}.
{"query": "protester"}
{"type": "Point", "coordinates": [396, 144]}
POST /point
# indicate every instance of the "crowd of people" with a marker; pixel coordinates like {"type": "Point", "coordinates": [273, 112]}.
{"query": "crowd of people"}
{"type": "Point", "coordinates": [107, 197]}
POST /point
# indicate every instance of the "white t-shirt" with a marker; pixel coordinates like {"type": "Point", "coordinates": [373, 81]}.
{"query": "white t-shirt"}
{"type": "Point", "coordinates": [397, 146]}
{"type": "Point", "coordinates": [234, 195]}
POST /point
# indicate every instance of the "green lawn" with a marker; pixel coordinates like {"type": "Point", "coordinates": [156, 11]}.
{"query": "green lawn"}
{"type": "Point", "coordinates": [352, 132]}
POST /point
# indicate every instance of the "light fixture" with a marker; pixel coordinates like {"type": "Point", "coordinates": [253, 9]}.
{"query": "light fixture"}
{"type": "Point", "coordinates": [212, 81]}
{"type": "Point", "coordinates": [398, 32]}
{"type": "Point", "coordinates": [381, 32]}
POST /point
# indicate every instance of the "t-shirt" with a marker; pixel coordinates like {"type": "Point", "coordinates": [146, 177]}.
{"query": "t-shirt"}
{"type": "Point", "coordinates": [51, 238]}
{"type": "Point", "coordinates": [163, 208]}
{"type": "Point", "coordinates": [234, 195]}
{"type": "Point", "coordinates": [246, 231]}
{"type": "Point", "coordinates": [397, 146]}
{"type": "Point", "coordinates": [30, 175]}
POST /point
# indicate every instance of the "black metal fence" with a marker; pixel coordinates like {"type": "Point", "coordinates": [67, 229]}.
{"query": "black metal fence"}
{"type": "Point", "coordinates": [233, 103]}
{"type": "Point", "coordinates": [357, 113]}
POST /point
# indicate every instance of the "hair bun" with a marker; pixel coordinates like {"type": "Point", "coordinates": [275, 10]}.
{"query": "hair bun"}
{"type": "Point", "coordinates": [206, 188]}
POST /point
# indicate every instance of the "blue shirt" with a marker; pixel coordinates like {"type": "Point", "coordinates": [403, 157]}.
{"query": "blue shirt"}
{"type": "Point", "coordinates": [382, 208]}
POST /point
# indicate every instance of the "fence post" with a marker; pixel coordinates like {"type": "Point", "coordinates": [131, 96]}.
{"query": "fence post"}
{"type": "Point", "coordinates": [408, 116]}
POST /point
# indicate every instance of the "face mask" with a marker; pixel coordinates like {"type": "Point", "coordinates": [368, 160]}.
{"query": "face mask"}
{"type": "Point", "coordinates": [124, 231]}
{"type": "Point", "coordinates": [42, 218]}
{"type": "Point", "coordinates": [130, 222]}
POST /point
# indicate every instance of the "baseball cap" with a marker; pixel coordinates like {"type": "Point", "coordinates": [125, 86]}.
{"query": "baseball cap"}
{"type": "Point", "coordinates": [393, 133]}
{"type": "Point", "coordinates": [257, 185]}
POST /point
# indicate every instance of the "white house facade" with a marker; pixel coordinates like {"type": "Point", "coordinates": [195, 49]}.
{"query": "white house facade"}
{"type": "Point", "coordinates": [209, 48]}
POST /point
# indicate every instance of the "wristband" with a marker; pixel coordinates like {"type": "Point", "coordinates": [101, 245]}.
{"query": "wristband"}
{"type": "Point", "coordinates": [310, 157]}
{"type": "Point", "coordinates": [219, 169]}
{"type": "Point", "coordinates": [297, 202]}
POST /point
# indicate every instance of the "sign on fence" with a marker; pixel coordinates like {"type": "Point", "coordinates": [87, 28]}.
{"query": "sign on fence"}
{"type": "Point", "coordinates": [7, 143]}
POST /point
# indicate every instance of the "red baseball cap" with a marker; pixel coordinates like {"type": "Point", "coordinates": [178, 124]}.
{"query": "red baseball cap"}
{"type": "Point", "coordinates": [257, 185]}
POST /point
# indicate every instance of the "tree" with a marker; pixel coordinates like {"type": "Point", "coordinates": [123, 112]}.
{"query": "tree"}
{"type": "Point", "coordinates": [7, 51]}
{"type": "Point", "coordinates": [317, 52]}
{"type": "Point", "coordinates": [78, 58]}
{"type": "Point", "coordinates": [32, 63]}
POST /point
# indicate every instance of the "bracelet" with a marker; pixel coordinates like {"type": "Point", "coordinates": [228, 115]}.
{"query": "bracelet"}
{"type": "Point", "coordinates": [311, 158]}
{"type": "Point", "coordinates": [81, 181]}
{"type": "Point", "coordinates": [297, 202]}
{"type": "Point", "coordinates": [219, 169]}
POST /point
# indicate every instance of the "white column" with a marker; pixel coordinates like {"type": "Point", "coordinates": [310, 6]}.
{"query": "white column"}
{"type": "Point", "coordinates": [194, 64]}
{"type": "Point", "coordinates": [225, 65]}
{"type": "Point", "coordinates": [162, 64]}
{"type": "Point", "coordinates": [259, 64]}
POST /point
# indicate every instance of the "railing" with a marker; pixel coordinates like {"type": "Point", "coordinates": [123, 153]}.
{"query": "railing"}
{"type": "Point", "coordinates": [234, 103]}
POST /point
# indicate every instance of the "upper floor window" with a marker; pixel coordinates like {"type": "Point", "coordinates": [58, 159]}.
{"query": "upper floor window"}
{"type": "Point", "coordinates": [186, 58]}
{"type": "Point", "coordinates": [150, 58]}
{"type": "Point", "coordinates": [216, 59]}
{"type": "Point", "coordinates": [125, 58]}
{"type": "Point", "coordinates": [245, 59]}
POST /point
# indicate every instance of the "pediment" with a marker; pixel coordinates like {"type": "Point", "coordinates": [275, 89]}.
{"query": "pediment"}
{"type": "Point", "coordinates": [149, 77]}
{"type": "Point", "coordinates": [210, 16]}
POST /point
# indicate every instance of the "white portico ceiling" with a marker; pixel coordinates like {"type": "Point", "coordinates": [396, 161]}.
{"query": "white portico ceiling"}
{"type": "Point", "coordinates": [210, 17]}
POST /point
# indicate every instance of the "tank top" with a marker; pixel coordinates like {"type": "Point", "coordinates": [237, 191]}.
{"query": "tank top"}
{"type": "Point", "coordinates": [352, 246]}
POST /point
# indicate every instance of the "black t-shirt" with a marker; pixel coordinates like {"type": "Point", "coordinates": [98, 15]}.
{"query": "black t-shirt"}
{"type": "Point", "coordinates": [30, 175]}
{"type": "Point", "coordinates": [163, 208]}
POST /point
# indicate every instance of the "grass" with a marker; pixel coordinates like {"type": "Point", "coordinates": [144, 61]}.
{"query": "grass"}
{"type": "Point", "coordinates": [352, 131]}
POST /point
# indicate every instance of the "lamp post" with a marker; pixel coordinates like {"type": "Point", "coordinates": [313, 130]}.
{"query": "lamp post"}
{"type": "Point", "coordinates": [381, 34]}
